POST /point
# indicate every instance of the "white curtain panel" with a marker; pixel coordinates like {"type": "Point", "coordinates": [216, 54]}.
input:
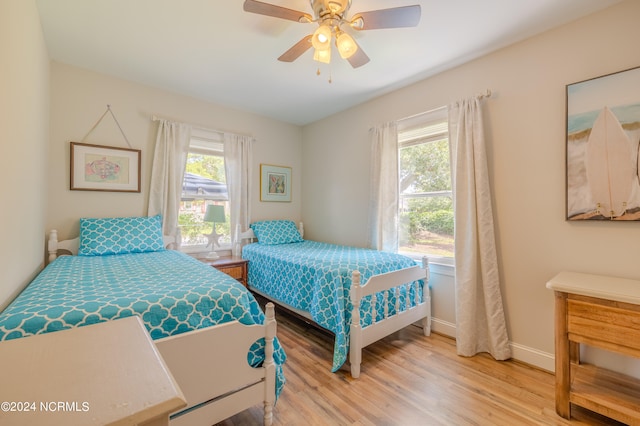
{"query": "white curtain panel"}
{"type": "Point", "coordinates": [169, 160]}
{"type": "Point", "coordinates": [384, 188]}
{"type": "Point", "coordinates": [238, 163]}
{"type": "Point", "coordinates": [480, 321]}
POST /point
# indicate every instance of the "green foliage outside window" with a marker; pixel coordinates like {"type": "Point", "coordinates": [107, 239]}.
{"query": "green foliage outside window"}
{"type": "Point", "coordinates": [425, 167]}
{"type": "Point", "coordinates": [426, 213]}
{"type": "Point", "coordinates": [208, 166]}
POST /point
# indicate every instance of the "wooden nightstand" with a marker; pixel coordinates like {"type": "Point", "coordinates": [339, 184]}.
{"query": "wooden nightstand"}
{"type": "Point", "coordinates": [235, 267]}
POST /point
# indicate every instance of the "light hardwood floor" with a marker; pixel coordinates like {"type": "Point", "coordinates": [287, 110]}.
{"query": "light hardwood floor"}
{"type": "Point", "coordinates": [407, 379]}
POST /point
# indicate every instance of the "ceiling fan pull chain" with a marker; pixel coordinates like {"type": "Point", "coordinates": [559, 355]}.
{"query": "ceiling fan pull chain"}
{"type": "Point", "coordinates": [330, 78]}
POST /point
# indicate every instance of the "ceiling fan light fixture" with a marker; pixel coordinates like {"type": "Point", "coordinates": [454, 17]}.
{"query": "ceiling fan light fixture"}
{"type": "Point", "coordinates": [330, 15]}
{"type": "Point", "coordinates": [337, 6]}
{"type": "Point", "coordinates": [323, 55]}
{"type": "Point", "coordinates": [346, 45]}
{"type": "Point", "coordinates": [321, 39]}
{"type": "Point", "coordinates": [357, 22]}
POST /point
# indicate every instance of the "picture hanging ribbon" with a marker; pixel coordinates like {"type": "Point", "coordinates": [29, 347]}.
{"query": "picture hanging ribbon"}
{"type": "Point", "coordinates": [117, 123]}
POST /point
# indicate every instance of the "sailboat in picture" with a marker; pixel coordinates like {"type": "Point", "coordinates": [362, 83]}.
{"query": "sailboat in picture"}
{"type": "Point", "coordinates": [608, 165]}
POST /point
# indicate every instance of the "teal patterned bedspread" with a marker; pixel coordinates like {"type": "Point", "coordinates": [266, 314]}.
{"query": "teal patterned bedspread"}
{"type": "Point", "coordinates": [316, 277]}
{"type": "Point", "coordinates": [74, 291]}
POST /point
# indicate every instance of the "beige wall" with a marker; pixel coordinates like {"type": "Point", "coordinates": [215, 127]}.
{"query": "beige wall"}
{"type": "Point", "coordinates": [78, 99]}
{"type": "Point", "coordinates": [24, 125]}
{"type": "Point", "coordinates": [525, 122]}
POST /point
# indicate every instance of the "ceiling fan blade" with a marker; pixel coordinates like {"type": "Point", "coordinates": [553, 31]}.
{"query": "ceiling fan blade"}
{"type": "Point", "coordinates": [296, 50]}
{"type": "Point", "coordinates": [261, 8]}
{"type": "Point", "coordinates": [397, 17]}
{"type": "Point", "coordinates": [359, 58]}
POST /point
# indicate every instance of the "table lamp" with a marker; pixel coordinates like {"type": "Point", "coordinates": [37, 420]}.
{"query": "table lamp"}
{"type": "Point", "coordinates": [214, 214]}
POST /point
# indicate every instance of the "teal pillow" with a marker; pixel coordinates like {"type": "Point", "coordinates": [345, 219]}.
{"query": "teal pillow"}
{"type": "Point", "coordinates": [120, 235]}
{"type": "Point", "coordinates": [272, 232]}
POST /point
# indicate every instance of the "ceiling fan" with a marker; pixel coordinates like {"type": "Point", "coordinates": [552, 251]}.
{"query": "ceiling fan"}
{"type": "Point", "coordinates": [331, 15]}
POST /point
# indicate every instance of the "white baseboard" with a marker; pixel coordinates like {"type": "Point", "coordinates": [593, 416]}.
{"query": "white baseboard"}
{"type": "Point", "coordinates": [532, 356]}
{"type": "Point", "coordinates": [443, 327]}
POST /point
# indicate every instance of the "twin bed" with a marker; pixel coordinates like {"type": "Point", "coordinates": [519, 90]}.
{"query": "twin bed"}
{"type": "Point", "coordinates": [360, 295]}
{"type": "Point", "coordinates": [214, 337]}
{"type": "Point", "coordinates": [208, 328]}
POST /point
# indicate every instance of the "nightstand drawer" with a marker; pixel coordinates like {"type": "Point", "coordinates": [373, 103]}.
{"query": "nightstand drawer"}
{"type": "Point", "coordinates": [235, 267]}
{"type": "Point", "coordinates": [236, 272]}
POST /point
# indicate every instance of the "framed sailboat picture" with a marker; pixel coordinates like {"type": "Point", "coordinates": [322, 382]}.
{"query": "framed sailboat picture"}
{"type": "Point", "coordinates": [603, 136]}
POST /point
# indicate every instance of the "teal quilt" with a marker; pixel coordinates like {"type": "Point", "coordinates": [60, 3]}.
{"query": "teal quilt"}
{"type": "Point", "coordinates": [170, 291]}
{"type": "Point", "coordinates": [316, 277]}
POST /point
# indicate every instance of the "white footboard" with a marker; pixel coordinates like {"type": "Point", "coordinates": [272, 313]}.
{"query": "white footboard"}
{"type": "Point", "coordinates": [210, 366]}
{"type": "Point", "coordinates": [421, 309]}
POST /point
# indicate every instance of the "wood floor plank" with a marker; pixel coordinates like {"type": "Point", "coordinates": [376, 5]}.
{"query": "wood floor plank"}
{"type": "Point", "coordinates": [407, 379]}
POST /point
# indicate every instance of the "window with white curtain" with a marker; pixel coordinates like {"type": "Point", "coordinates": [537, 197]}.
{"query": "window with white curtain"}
{"type": "Point", "coordinates": [426, 199]}
{"type": "Point", "coordinates": [204, 183]}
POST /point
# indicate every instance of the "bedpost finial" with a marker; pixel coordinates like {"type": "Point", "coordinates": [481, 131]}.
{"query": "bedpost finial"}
{"type": "Point", "coordinates": [355, 277]}
{"type": "Point", "coordinates": [425, 266]}
{"type": "Point", "coordinates": [52, 245]}
{"type": "Point", "coordinates": [270, 311]}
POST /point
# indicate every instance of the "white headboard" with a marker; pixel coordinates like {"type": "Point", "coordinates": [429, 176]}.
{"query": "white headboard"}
{"type": "Point", "coordinates": [70, 247]}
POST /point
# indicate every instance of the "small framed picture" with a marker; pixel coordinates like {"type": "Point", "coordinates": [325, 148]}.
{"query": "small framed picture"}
{"type": "Point", "coordinates": [275, 183]}
{"type": "Point", "coordinates": [104, 168]}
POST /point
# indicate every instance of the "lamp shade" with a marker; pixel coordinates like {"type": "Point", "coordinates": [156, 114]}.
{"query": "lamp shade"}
{"type": "Point", "coordinates": [215, 214]}
{"type": "Point", "coordinates": [346, 45]}
{"type": "Point", "coordinates": [321, 39]}
{"type": "Point", "coordinates": [323, 56]}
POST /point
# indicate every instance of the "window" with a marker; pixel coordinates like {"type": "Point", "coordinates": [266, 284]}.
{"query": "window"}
{"type": "Point", "coordinates": [426, 199]}
{"type": "Point", "coordinates": [204, 184]}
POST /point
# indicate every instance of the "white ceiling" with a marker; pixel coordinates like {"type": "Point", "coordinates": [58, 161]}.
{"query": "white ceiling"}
{"type": "Point", "coordinates": [214, 51]}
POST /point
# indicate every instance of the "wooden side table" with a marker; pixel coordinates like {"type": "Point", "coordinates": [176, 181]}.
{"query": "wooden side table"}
{"type": "Point", "coordinates": [603, 312]}
{"type": "Point", "coordinates": [235, 267]}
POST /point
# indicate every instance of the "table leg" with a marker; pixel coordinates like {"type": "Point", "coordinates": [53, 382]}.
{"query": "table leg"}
{"type": "Point", "coordinates": [563, 364]}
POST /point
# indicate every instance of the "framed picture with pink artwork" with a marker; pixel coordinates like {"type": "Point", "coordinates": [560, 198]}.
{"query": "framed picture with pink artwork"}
{"type": "Point", "coordinates": [275, 183]}
{"type": "Point", "coordinates": [104, 168]}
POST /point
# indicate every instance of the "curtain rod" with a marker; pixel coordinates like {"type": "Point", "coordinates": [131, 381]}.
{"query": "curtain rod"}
{"type": "Point", "coordinates": [481, 95]}
{"type": "Point", "coordinates": [422, 113]}
{"type": "Point", "coordinates": [197, 126]}
{"type": "Point", "coordinates": [485, 94]}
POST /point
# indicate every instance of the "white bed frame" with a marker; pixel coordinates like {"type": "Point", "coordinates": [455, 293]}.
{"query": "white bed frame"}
{"type": "Point", "coordinates": [212, 394]}
{"type": "Point", "coordinates": [362, 337]}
